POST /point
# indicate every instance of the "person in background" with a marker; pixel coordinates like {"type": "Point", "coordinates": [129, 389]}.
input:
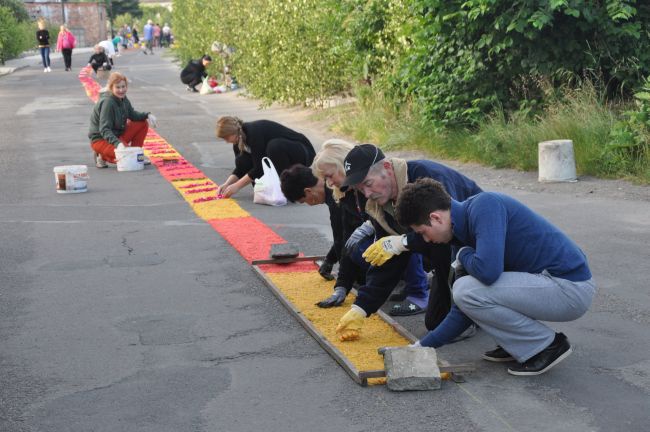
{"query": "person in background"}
{"type": "Point", "coordinates": [252, 141]}
{"type": "Point", "coordinates": [156, 35]}
{"type": "Point", "coordinates": [43, 39]}
{"type": "Point", "coordinates": [99, 59]}
{"type": "Point", "coordinates": [166, 35]}
{"type": "Point", "coordinates": [65, 43]}
{"type": "Point", "coordinates": [194, 72]}
{"type": "Point", "coordinates": [109, 49]}
{"type": "Point", "coordinates": [135, 35]}
{"type": "Point", "coordinates": [514, 270]}
{"type": "Point", "coordinates": [114, 122]}
{"type": "Point", "coordinates": [147, 37]}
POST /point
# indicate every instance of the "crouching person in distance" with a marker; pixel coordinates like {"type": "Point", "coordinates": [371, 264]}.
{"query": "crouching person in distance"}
{"type": "Point", "coordinates": [114, 122]}
{"type": "Point", "coordinates": [381, 180]}
{"type": "Point", "coordinates": [520, 269]}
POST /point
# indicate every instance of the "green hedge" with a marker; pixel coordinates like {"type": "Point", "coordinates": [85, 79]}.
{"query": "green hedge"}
{"type": "Point", "coordinates": [15, 36]}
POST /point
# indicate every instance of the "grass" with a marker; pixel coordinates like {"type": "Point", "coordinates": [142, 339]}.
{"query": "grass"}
{"type": "Point", "coordinates": [503, 141]}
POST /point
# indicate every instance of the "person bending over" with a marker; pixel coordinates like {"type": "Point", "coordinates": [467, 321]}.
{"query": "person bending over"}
{"type": "Point", "coordinates": [520, 270]}
{"type": "Point", "coordinates": [114, 121]}
{"type": "Point", "coordinates": [381, 180]}
{"type": "Point", "coordinates": [99, 59]}
{"type": "Point", "coordinates": [194, 72]}
{"type": "Point", "coordinates": [252, 141]}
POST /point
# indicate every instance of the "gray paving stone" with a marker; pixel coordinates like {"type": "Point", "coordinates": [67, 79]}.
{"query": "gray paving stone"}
{"type": "Point", "coordinates": [411, 369]}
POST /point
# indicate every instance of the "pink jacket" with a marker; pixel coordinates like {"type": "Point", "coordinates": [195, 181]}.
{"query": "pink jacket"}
{"type": "Point", "coordinates": [65, 40]}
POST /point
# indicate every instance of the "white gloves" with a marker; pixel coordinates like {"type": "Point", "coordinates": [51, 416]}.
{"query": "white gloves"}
{"type": "Point", "coordinates": [152, 121]}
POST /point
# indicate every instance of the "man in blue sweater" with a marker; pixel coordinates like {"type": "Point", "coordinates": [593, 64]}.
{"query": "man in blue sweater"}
{"type": "Point", "coordinates": [520, 269]}
{"type": "Point", "coordinates": [381, 180]}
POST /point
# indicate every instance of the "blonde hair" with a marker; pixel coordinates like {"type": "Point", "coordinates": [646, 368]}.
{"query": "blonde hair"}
{"type": "Point", "coordinates": [63, 28]}
{"type": "Point", "coordinates": [229, 125]}
{"type": "Point", "coordinates": [115, 78]}
{"type": "Point", "coordinates": [332, 153]}
{"type": "Point", "coordinates": [41, 24]}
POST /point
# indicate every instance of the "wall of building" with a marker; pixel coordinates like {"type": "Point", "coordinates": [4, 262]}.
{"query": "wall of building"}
{"type": "Point", "coordinates": [87, 21]}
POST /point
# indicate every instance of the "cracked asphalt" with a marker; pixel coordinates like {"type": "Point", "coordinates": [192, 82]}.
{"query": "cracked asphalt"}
{"type": "Point", "coordinates": [120, 310]}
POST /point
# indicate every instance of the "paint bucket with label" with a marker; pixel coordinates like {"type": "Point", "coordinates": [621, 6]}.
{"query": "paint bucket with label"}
{"type": "Point", "coordinates": [129, 158]}
{"type": "Point", "coordinates": [71, 178]}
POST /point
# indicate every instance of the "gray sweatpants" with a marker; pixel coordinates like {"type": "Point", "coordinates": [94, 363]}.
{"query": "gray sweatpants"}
{"type": "Point", "coordinates": [509, 310]}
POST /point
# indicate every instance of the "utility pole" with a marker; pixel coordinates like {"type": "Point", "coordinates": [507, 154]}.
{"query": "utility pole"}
{"type": "Point", "coordinates": [63, 10]}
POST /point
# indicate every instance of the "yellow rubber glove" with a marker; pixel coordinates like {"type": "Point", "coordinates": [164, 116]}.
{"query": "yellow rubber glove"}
{"type": "Point", "coordinates": [350, 324]}
{"type": "Point", "coordinates": [384, 249]}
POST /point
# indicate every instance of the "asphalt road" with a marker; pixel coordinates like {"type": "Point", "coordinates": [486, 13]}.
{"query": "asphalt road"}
{"type": "Point", "coordinates": [120, 310]}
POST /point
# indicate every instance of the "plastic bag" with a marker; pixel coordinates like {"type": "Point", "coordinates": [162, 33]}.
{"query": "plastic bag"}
{"type": "Point", "coordinates": [267, 188]}
{"type": "Point", "coordinates": [205, 87]}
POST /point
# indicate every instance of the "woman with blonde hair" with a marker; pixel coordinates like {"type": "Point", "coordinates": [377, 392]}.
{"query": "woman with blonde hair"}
{"type": "Point", "coordinates": [114, 122]}
{"type": "Point", "coordinates": [43, 38]}
{"type": "Point", "coordinates": [65, 43]}
{"type": "Point", "coordinates": [252, 141]}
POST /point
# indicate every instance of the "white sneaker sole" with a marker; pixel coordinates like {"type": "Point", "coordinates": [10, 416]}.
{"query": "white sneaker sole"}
{"type": "Point", "coordinates": [557, 360]}
{"type": "Point", "coordinates": [498, 360]}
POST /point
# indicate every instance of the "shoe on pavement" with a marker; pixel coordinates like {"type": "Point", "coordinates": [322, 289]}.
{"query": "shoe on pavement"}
{"type": "Point", "coordinates": [406, 308]}
{"type": "Point", "coordinates": [498, 355]}
{"type": "Point", "coordinates": [100, 162]}
{"type": "Point", "coordinates": [49, 69]}
{"type": "Point", "coordinates": [146, 160]}
{"type": "Point", "coordinates": [541, 362]}
{"type": "Point", "coordinates": [45, 70]}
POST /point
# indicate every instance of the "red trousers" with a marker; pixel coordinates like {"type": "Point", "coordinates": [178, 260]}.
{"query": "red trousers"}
{"type": "Point", "coordinates": [133, 136]}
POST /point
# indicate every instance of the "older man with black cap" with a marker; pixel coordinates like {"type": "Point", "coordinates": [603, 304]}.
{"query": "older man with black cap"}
{"type": "Point", "coordinates": [381, 179]}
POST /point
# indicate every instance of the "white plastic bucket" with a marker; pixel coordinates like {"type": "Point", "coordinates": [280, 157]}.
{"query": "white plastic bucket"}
{"type": "Point", "coordinates": [129, 159]}
{"type": "Point", "coordinates": [71, 178]}
{"type": "Point", "coordinates": [556, 161]}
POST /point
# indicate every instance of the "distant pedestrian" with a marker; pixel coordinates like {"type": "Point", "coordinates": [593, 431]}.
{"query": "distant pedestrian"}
{"type": "Point", "coordinates": [114, 122]}
{"type": "Point", "coordinates": [194, 72]}
{"type": "Point", "coordinates": [109, 49]}
{"type": "Point", "coordinates": [156, 35]}
{"type": "Point", "coordinates": [65, 43]}
{"type": "Point", "coordinates": [43, 38]}
{"type": "Point", "coordinates": [147, 37]}
{"type": "Point", "coordinates": [166, 35]}
{"type": "Point", "coordinates": [134, 34]}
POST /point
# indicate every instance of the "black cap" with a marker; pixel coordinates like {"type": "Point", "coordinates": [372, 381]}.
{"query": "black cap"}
{"type": "Point", "coordinates": [358, 162]}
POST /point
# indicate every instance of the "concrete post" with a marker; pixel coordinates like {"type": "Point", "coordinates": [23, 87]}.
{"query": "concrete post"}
{"type": "Point", "coordinates": [556, 161]}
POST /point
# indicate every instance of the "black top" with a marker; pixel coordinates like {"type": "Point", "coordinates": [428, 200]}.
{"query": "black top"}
{"type": "Point", "coordinates": [345, 217]}
{"type": "Point", "coordinates": [43, 38]}
{"type": "Point", "coordinates": [194, 69]}
{"type": "Point", "coordinates": [258, 134]}
{"type": "Point", "coordinates": [98, 58]}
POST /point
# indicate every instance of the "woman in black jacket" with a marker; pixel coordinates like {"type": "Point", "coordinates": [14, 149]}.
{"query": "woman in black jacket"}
{"type": "Point", "coordinates": [255, 140]}
{"type": "Point", "coordinates": [43, 39]}
{"type": "Point", "coordinates": [194, 72]}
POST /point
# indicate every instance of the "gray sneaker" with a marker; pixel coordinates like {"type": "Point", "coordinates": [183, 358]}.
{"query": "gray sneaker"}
{"type": "Point", "coordinates": [99, 162]}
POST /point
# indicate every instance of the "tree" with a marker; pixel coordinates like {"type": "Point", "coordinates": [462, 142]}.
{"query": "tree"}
{"type": "Point", "coordinates": [120, 7]}
{"type": "Point", "coordinates": [17, 8]}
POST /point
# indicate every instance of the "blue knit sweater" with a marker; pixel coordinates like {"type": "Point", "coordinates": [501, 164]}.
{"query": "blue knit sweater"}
{"type": "Point", "coordinates": [502, 234]}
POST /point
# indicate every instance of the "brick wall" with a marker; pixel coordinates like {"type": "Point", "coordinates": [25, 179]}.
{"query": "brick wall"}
{"type": "Point", "coordinates": [87, 21]}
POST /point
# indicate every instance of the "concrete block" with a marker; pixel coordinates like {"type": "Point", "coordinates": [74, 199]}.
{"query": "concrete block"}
{"type": "Point", "coordinates": [411, 369]}
{"type": "Point", "coordinates": [284, 250]}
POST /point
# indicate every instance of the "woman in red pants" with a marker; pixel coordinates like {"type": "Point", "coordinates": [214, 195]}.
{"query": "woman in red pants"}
{"type": "Point", "coordinates": [114, 121]}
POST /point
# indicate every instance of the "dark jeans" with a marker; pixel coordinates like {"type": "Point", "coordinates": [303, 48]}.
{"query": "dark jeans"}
{"type": "Point", "coordinates": [413, 275]}
{"type": "Point", "coordinates": [45, 56]}
{"type": "Point", "coordinates": [96, 66]}
{"type": "Point", "coordinates": [67, 57]}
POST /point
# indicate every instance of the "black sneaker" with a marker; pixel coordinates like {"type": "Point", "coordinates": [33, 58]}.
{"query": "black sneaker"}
{"type": "Point", "coordinates": [498, 355]}
{"type": "Point", "coordinates": [557, 351]}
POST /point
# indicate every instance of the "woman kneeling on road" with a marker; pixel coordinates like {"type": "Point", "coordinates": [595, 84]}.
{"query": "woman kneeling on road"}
{"type": "Point", "coordinates": [114, 122]}
{"type": "Point", "coordinates": [252, 141]}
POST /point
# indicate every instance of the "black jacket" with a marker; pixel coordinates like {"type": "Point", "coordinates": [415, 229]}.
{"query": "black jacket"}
{"type": "Point", "coordinates": [345, 217]}
{"type": "Point", "coordinates": [258, 134]}
{"type": "Point", "coordinates": [193, 71]}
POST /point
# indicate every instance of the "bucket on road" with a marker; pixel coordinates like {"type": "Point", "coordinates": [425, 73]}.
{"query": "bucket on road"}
{"type": "Point", "coordinates": [129, 158]}
{"type": "Point", "coordinates": [71, 178]}
{"type": "Point", "coordinates": [556, 161]}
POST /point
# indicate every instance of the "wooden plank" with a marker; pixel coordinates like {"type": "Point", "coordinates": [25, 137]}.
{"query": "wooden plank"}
{"type": "Point", "coordinates": [287, 260]}
{"type": "Point", "coordinates": [451, 368]}
{"type": "Point", "coordinates": [313, 331]}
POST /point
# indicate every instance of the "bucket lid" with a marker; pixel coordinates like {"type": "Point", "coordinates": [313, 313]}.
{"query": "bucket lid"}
{"type": "Point", "coordinates": [70, 168]}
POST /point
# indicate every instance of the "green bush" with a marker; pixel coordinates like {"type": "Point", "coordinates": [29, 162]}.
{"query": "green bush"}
{"type": "Point", "coordinates": [467, 57]}
{"type": "Point", "coordinates": [15, 36]}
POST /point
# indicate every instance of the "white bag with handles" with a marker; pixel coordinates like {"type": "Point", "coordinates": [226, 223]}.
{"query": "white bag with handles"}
{"type": "Point", "coordinates": [267, 188]}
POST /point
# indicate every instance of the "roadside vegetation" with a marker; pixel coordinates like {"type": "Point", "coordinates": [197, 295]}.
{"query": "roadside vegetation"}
{"type": "Point", "coordinates": [482, 80]}
{"type": "Point", "coordinates": [16, 30]}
